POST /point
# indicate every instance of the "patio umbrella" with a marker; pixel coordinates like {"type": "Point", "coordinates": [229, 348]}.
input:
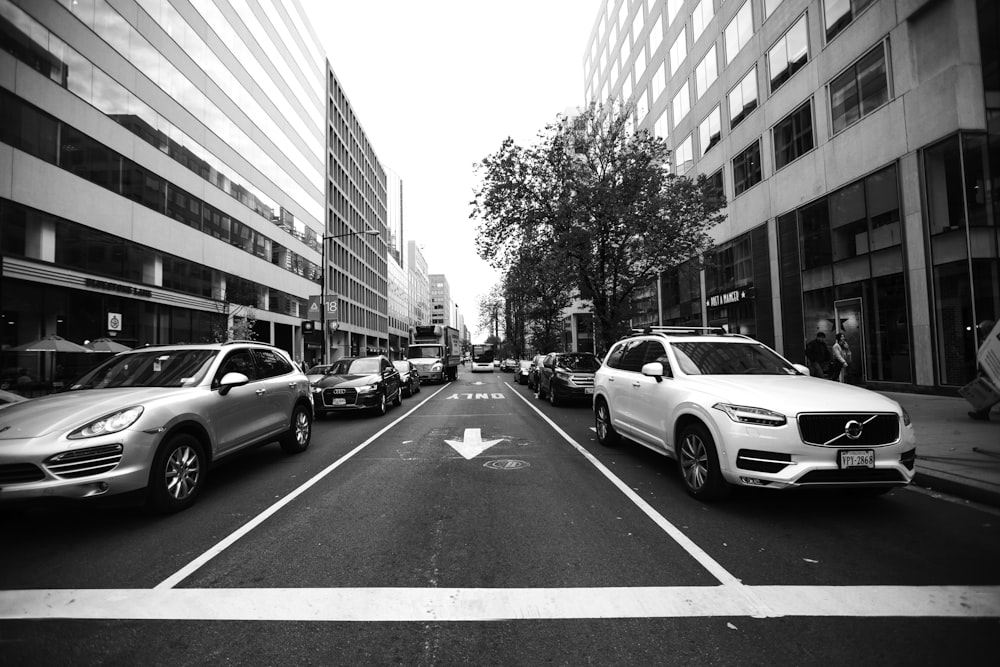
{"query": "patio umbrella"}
{"type": "Point", "coordinates": [106, 345]}
{"type": "Point", "coordinates": [51, 343]}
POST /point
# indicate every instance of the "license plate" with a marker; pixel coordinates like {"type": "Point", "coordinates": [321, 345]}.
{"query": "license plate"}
{"type": "Point", "coordinates": [588, 390]}
{"type": "Point", "coordinates": [339, 401]}
{"type": "Point", "coordinates": [857, 458]}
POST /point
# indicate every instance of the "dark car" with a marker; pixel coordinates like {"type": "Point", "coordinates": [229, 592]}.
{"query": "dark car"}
{"type": "Point", "coordinates": [358, 383]}
{"type": "Point", "coordinates": [409, 377]}
{"type": "Point", "coordinates": [567, 376]}
{"type": "Point", "coordinates": [521, 371]}
{"type": "Point", "coordinates": [536, 364]}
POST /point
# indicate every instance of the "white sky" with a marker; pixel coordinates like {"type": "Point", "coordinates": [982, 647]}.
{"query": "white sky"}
{"type": "Point", "coordinates": [437, 86]}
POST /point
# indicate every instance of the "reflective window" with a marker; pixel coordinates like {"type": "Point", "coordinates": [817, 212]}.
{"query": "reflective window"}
{"type": "Point", "coordinates": [837, 14]}
{"type": "Point", "coordinates": [655, 36]}
{"type": "Point", "coordinates": [681, 104]}
{"type": "Point", "coordinates": [705, 73]}
{"type": "Point", "coordinates": [743, 98]}
{"type": "Point", "coordinates": [673, 6]}
{"type": "Point", "coordinates": [793, 135]}
{"type": "Point", "coordinates": [700, 16]}
{"type": "Point", "coordinates": [860, 89]}
{"type": "Point", "coordinates": [678, 51]}
{"type": "Point", "coordinates": [658, 81]}
{"type": "Point", "coordinates": [684, 156]}
{"type": "Point", "coordinates": [746, 168]}
{"type": "Point", "coordinates": [739, 31]}
{"type": "Point", "coordinates": [710, 130]}
{"type": "Point", "coordinates": [770, 6]}
{"type": "Point", "coordinates": [789, 54]}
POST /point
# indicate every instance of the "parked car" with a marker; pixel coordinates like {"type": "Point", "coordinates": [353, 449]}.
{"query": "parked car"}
{"type": "Point", "coordinates": [567, 376]}
{"type": "Point", "coordinates": [508, 365]}
{"type": "Point", "coordinates": [409, 377]}
{"type": "Point", "coordinates": [358, 383]}
{"type": "Point", "coordinates": [154, 418]}
{"type": "Point", "coordinates": [733, 412]}
{"type": "Point", "coordinates": [536, 364]}
{"type": "Point", "coordinates": [317, 371]}
{"type": "Point", "coordinates": [521, 371]}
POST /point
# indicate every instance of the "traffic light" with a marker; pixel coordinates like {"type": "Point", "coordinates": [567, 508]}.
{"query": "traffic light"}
{"type": "Point", "coordinates": [308, 326]}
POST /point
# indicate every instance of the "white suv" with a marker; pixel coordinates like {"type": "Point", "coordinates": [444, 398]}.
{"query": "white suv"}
{"type": "Point", "coordinates": [732, 411]}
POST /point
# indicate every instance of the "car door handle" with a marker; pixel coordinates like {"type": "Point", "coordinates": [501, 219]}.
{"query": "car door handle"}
{"type": "Point", "coordinates": [636, 384]}
{"type": "Point", "coordinates": [261, 392]}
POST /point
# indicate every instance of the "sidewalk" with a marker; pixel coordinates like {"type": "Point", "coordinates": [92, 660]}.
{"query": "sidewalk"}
{"type": "Point", "coordinates": [955, 453]}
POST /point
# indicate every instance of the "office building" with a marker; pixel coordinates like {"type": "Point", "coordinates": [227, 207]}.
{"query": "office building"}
{"type": "Point", "coordinates": [162, 173]}
{"type": "Point", "coordinates": [419, 285]}
{"type": "Point", "coordinates": [858, 146]}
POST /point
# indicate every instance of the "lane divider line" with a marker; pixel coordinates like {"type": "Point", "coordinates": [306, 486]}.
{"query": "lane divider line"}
{"type": "Point", "coordinates": [686, 543]}
{"type": "Point", "coordinates": [228, 541]}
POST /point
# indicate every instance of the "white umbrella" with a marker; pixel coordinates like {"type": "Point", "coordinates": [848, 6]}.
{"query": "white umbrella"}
{"type": "Point", "coordinates": [106, 345]}
{"type": "Point", "coordinates": [51, 343]}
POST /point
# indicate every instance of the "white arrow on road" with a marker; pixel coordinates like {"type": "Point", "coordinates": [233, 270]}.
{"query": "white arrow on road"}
{"type": "Point", "coordinates": [472, 444]}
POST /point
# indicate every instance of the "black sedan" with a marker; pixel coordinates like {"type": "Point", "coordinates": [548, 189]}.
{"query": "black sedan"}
{"type": "Point", "coordinates": [409, 377]}
{"type": "Point", "coordinates": [357, 384]}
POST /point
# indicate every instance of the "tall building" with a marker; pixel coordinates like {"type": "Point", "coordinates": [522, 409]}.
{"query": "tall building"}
{"type": "Point", "coordinates": [858, 145]}
{"type": "Point", "coordinates": [162, 172]}
{"type": "Point", "coordinates": [442, 309]}
{"type": "Point", "coordinates": [398, 279]}
{"type": "Point", "coordinates": [419, 285]}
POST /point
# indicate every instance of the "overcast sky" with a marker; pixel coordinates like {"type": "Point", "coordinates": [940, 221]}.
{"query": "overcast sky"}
{"type": "Point", "coordinates": [437, 86]}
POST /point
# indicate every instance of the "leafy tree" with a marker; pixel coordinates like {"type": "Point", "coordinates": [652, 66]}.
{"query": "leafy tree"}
{"type": "Point", "coordinates": [603, 202]}
{"type": "Point", "coordinates": [491, 306]}
{"type": "Point", "coordinates": [236, 315]}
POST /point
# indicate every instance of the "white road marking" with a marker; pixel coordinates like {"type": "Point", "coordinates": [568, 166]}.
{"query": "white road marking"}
{"type": "Point", "coordinates": [228, 541]}
{"type": "Point", "coordinates": [489, 604]}
{"type": "Point", "coordinates": [472, 444]}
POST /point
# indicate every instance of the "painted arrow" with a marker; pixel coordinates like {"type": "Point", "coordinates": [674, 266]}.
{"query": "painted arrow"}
{"type": "Point", "coordinates": [472, 444]}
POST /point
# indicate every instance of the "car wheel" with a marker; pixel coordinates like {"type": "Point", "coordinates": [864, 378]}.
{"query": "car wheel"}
{"type": "Point", "coordinates": [539, 392]}
{"type": "Point", "coordinates": [606, 433]}
{"type": "Point", "coordinates": [416, 386]}
{"type": "Point", "coordinates": [553, 399]}
{"type": "Point", "coordinates": [177, 475]}
{"type": "Point", "coordinates": [299, 434]}
{"type": "Point", "coordinates": [699, 464]}
{"type": "Point", "coordinates": [398, 400]}
{"type": "Point", "coordinates": [383, 404]}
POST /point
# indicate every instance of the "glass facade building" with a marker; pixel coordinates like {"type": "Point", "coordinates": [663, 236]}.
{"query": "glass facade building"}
{"type": "Point", "coordinates": [858, 146]}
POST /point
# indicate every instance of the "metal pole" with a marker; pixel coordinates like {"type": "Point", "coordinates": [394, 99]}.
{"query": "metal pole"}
{"type": "Point", "coordinates": [322, 306]}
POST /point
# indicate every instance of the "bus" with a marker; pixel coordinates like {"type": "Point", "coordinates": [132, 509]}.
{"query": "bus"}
{"type": "Point", "coordinates": [482, 358]}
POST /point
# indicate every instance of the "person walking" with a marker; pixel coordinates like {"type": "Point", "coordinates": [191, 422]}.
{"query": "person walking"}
{"type": "Point", "coordinates": [841, 358]}
{"type": "Point", "coordinates": [818, 355]}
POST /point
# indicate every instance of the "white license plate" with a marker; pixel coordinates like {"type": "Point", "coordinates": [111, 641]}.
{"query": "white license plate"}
{"type": "Point", "coordinates": [588, 390]}
{"type": "Point", "coordinates": [339, 401]}
{"type": "Point", "coordinates": [856, 458]}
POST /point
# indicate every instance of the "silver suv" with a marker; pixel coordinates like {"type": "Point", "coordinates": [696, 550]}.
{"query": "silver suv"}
{"type": "Point", "coordinates": [154, 418]}
{"type": "Point", "coordinates": [733, 412]}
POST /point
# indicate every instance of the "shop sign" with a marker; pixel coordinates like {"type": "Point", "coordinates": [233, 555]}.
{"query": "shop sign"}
{"type": "Point", "coordinates": [316, 302]}
{"type": "Point", "coordinates": [732, 296]}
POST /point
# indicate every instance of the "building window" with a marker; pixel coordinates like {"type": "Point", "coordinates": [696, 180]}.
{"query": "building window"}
{"type": "Point", "coordinates": [743, 98]}
{"type": "Point", "coordinates": [700, 17]}
{"type": "Point", "coordinates": [739, 31]}
{"type": "Point", "coordinates": [681, 103]}
{"type": "Point", "coordinates": [770, 6]}
{"type": "Point", "coordinates": [684, 156]}
{"type": "Point", "coordinates": [658, 81]}
{"type": "Point", "coordinates": [661, 128]}
{"type": "Point", "coordinates": [837, 14]}
{"type": "Point", "coordinates": [655, 37]}
{"type": "Point", "coordinates": [746, 168]}
{"type": "Point", "coordinates": [710, 130]}
{"type": "Point", "coordinates": [793, 135]}
{"type": "Point", "coordinates": [673, 7]}
{"type": "Point", "coordinates": [789, 54]}
{"type": "Point", "coordinates": [716, 183]}
{"type": "Point", "coordinates": [678, 51]}
{"type": "Point", "coordinates": [705, 73]}
{"type": "Point", "coordinates": [641, 107]}
{"type": "Point", "coordinates": [860, 89]}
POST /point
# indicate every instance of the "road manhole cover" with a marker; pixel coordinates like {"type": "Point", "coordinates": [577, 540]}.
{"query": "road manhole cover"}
{"type": "Point", "coordinates": [506, 464]}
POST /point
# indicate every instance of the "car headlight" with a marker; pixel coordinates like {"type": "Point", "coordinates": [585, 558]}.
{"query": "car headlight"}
{"type": "Point", "coordinates": [113, 423]}
{"type": "Point", "coordinates": [906, 416]}
{"type": "Point", "coordinates": [743, 414]}
{"type": "Point", "coordinates": [368, 389]}
{"type": "Point", "coordinates": [563, 375]}
{"type": "Point", "coordinates": [436, 368]}
{"type": "Point", "coordinates": [317, 389]}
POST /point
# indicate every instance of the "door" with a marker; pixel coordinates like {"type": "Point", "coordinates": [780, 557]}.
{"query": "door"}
{"type": "Point", "coordinates": [240, 415]}
{"type": "Point", "coordinates": [850, 321]}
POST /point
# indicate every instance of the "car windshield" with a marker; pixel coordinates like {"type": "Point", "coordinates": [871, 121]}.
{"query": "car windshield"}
{"type": "Point", "coordinates": [432, 352]}
{"type": "Point", "coordinates": [579, 362]}
{"type": "Point", "coordinates": [717, 358]}
{"type": "Point", "coordinates": [152, 368]}
{"type": "Point", "coordinates": [402, 366]}
{"type": "Point", "coordinates": [318, 369]}
{"type": "Point", "coordinates": [365, 366]}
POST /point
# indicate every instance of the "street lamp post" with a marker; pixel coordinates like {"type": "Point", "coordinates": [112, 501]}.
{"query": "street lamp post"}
{"type": "Point", "coordinates": [323, 299]}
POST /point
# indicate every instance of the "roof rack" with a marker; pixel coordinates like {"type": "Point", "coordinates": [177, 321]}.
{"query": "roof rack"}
{"type": "Point", "coordinates": [716, 331]}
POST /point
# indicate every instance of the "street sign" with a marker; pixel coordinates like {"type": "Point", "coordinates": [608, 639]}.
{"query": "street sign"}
{"type": "Point", "coordinates": [114, 321]}
{"type": "Point", "coordinates": [316, 302]}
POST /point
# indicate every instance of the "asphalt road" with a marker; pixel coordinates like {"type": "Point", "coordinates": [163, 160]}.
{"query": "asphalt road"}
{"type": "Point", "coordinates": [478, 525]}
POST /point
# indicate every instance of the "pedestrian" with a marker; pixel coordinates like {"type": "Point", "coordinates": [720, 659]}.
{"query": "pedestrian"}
{"type": "Point", "coordinates": [985, 329]}
{"type": "Point", "coordinates": [818, 355]}
{"type": "Point", "coordinates": [841, 358]}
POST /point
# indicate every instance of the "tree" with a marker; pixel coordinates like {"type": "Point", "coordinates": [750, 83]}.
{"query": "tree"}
{"type": "Point", "coordinates": [237, 316]}
{"type": "Point", "coordinates": [491, 306]}
{"type": "Point", "coordinates": [603, 202]}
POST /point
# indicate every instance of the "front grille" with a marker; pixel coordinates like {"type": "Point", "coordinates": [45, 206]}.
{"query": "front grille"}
{"type": "Point", "coordinates": [760, 461]}
{"type": "Point", "coordinates": [852, 475]}
{"type": "Point", "coordinates": [829, 429]}
{"type": "Point", "coordinates": [582, 380]}
{"type": "Point", "coordinates": [20, 473]}
{"type": "Point", "coordinates": [85, 462]}
{"type": "Point", "coordinates": [349, 394]}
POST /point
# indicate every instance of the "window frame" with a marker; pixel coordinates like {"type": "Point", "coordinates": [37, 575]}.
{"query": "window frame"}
{"type": "Point", "coordinates": [744, 112]}
{"type": "Point", "coordinates": [746, 185]}
{"type": "Point", "coordinates": [788, 71]}
{"type": "Point", "coordinates": [857, 84]}
{"type": "Point", "coordinates": [735, 23]}
{"type": "Point", "coordinates": [790, 151]}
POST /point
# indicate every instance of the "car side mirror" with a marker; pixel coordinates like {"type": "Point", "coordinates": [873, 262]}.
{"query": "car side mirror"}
{"type": "Point", "coordinates": [801, 369]}
{"type": "Point", "coordinates": [230, 380]}
{"type": "Point", "coordinates": [655, 369]}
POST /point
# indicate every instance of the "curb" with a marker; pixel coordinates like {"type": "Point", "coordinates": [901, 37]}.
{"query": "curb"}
{"type": "Point", "coordinates": [958, 485]}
